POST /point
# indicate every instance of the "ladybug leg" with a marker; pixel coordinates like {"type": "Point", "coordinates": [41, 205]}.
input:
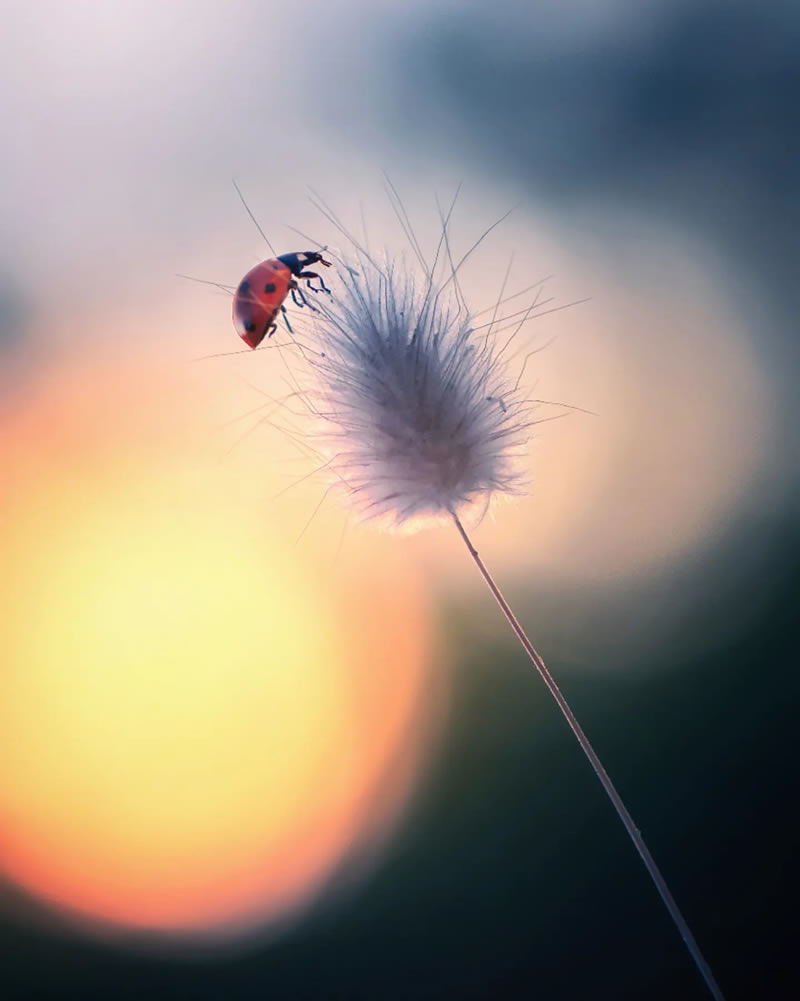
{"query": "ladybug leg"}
{"type": "Point", "coordinates": [308, 275]}
{"type": "Point", "coordinates": [305, 301]}
{"type": "Point", "coordinates": [286, 318]}
{"type": "Point", "coordinates": [272, 330]}
{"type": "Point", "coordinates": [297, 301]}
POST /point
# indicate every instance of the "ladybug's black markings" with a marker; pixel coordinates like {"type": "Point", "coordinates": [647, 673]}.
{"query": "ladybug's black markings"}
{"type": "Point", "coordinates": [254, 311]}
{"type": "Point", "coordinates": [262, 292]}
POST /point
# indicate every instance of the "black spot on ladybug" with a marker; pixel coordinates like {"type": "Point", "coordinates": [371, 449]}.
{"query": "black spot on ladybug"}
{"type": "Point", "coordinates": [244, 288]}
{"type": "Point", "coordinates": [249, 326]}
{"type": "Point", "coordinates": [269, 287]}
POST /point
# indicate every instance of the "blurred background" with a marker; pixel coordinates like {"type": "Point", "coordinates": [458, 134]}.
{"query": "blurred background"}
{"type": "Point", "coordinates": [248, 747]}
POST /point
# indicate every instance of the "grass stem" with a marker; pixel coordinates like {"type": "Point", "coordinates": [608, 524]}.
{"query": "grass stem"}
{"type": "Point", "coordinates": [608, 785]}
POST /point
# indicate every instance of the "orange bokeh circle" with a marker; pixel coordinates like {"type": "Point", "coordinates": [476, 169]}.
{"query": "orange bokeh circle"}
{"type": "Point", "coordinates": [196, 728]}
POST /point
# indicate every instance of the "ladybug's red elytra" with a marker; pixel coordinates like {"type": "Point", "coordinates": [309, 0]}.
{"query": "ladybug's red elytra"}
{"type": "Point", "coordinates": [262, 291]}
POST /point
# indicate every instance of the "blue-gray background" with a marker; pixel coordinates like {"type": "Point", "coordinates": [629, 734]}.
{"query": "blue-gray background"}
{"type": "Point", "coordinates": [507, 879]}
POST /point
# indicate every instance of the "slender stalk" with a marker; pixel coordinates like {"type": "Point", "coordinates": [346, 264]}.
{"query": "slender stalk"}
{"type": "Point", "coordinates": [608, 785]}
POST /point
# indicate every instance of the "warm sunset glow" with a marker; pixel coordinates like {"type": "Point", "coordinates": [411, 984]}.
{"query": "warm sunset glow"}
{"type": "Point", "coordinates": [195, 728]}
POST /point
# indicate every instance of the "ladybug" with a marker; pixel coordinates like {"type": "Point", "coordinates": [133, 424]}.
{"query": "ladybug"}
{"type": "Point", "coordinates": [262, 291]}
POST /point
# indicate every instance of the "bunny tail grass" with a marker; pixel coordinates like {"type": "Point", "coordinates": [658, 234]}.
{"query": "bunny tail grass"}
{"type": "Point", "coordinates": [608, 785]}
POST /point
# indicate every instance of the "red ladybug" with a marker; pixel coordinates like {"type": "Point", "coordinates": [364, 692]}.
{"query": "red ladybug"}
{"type": "Point", "coordinates": [263, 289]}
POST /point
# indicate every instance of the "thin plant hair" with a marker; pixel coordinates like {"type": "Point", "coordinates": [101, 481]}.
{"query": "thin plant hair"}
{"type": "Point", "coordinates": [387, 337]}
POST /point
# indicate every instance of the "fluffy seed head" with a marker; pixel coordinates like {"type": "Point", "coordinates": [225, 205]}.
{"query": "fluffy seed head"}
{"type": "Point", "coordinates": [419, 415]}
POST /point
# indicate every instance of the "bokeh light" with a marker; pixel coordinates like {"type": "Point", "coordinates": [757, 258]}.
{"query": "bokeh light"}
{"type": "Point", "coordinates": [195, 730]}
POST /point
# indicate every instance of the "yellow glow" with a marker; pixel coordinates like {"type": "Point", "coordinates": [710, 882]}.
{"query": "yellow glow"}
{"type": "Point", "coordinates": [192, 731]}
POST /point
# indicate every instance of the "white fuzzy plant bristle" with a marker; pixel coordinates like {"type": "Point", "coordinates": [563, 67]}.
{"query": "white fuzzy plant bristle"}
{"type": "Point", "coordinates": [420, 416]}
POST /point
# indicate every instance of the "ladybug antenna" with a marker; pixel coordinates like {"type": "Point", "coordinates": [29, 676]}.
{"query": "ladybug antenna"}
{"type": "Point", "coordinates": [255, 221]}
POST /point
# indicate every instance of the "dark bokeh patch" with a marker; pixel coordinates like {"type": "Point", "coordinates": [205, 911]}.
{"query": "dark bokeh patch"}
{"type": "Point", "coordinates": [688, 111]}
{"type": "Point", "coordinates": [707, 93]}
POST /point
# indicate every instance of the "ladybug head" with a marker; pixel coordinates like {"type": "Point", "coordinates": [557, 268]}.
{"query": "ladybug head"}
{"type": "Point", "coordinates": [301, 260]}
